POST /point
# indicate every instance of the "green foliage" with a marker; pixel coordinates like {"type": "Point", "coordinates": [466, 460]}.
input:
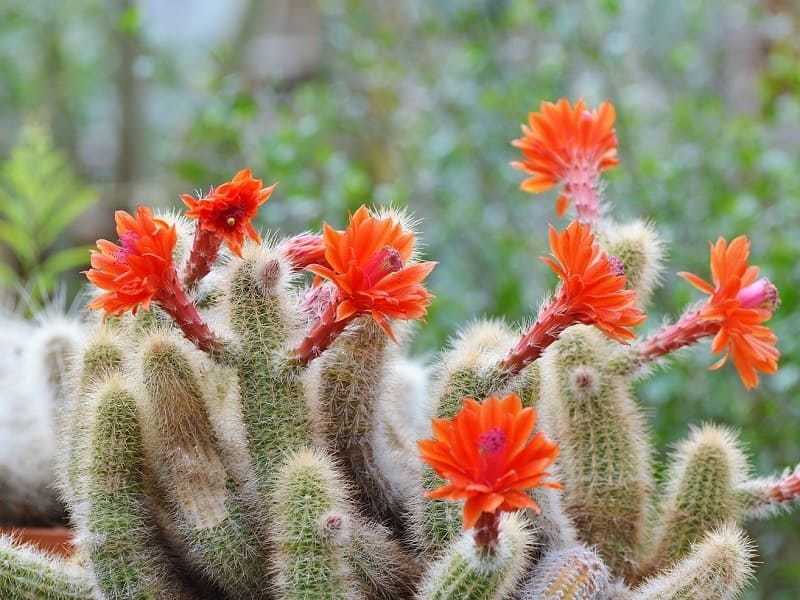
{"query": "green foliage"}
{"type": "Point", "coordinates": [40, 197]}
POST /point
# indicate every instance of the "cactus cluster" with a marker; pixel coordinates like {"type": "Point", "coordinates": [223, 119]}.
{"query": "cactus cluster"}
{"type": "Point", "coordinates": [33, 378]}
{"type": "Point", "coordinates": [237, 430]}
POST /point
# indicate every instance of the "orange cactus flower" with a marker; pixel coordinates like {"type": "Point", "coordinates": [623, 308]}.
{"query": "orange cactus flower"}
{"type": "Point", "coordinates": [488, 457]}
{"type": "Point", "coordinates": [740, 302]}
{"type": "Point", "coordinates": [593, 283]}
{"type": "Point", "coordinates": [573, 145]}
{"type": "Point", "coordinates": [133, 272]}
{"type": "Point", "coordinates": [592, 292]}
{"type": "Point", "coordinates": [140, 270]}
{"type": "Point", "coordinates": [368, 263]}
{"type": "Point", "coordinates": [227, 211]}
{"type": "Point", "coordinates": [734, 314]}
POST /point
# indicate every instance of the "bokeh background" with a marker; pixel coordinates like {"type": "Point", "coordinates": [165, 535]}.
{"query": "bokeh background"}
{"type": "Point", "coordinates": [109, 103]}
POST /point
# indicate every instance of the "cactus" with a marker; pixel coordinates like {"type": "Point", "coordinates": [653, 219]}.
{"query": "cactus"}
{"type": "Point", "coordinates": [572, 574]}
{"type": "Point", "coordinates": [234, 430]}
{"type": "Point", "coordinates": [33, 377]}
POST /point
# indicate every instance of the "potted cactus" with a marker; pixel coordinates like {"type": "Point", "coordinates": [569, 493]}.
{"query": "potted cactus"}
{"type": "Point", "coordinates": [237, 430]}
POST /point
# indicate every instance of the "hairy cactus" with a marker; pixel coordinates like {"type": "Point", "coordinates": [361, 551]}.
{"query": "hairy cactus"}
{"type": "Point", "coordinates": [237, 431]}
{"type": "Point", "coordinates": [33, 379]}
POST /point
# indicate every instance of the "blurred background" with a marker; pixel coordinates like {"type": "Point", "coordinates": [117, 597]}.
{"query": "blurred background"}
{"type": "Point", "coordinates": [109, 103]}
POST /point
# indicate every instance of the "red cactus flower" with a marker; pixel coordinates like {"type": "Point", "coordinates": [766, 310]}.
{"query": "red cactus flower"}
{"type": "Point", "coordinates": [227, 211]}
{"type": "Point", "coordinates": [135, 271]}
{"type": "Point", "coordinates": [592, 292]}
{"type": "Point", "coordinates": [369, 264]}
{"type": "Point", "coordinates": [488, 458]}
{"type": "Point", "coordinates": [140, 270]}
{"type": "Point", "coordinates": [739, 303]}
{"type": "Point", "coordinates": [572, 145]}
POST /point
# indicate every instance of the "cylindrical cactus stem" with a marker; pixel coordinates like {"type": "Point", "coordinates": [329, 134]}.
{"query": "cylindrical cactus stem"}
{"type": "Point", "coordinates": [381, 567]}
{"type": "Point", "coordinates": [604, 460]}
{"type": "Point", "coordinates": [468, 369]}
{"type": "Point", "coordinates": [574, 573]}
{"type": "Point", "coordinates": [266, 321]}
{"type": "Point", "coordinates": [217, 539]}
{"type": "Point", "coordinates": [641, 251]}
{"type": "Point", "coordinates": [718, 567]}
{"type": "Point", "coordinates": [101, 358]}
{"type": "Point", "coordinates": [345, 391]}
{"type": "Point", "coordinates": [700, 493]}
{"type": "Point", "coordinates": [312, 529]}
{"type": "Point", "coordinates": [116, 529]}
{"type": "Point", "coordinates": [26, 572]}
{"type": "Point", "coordinates": [468, 570]}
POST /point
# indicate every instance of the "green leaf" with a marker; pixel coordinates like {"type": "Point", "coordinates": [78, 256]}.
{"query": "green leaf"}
{"type": "Point", "coordinates": [61, 218]}
{"type": "Point", "coordinates": [40, 197]}
{"type": "Point", "coordinates": [19, 242]}
{"type": "Point", "coordinates": [130, 20]}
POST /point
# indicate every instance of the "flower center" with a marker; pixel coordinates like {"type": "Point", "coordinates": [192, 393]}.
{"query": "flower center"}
{"type": "Point", "coordinates": [759, 294]}
{"type": "Point", "coordinates": [381, 263]}
{"type": "Point", "coordinates": [492, 441]}
{"type": "Point", "coordinates": [233, 215]}
{"type": "Point", "coordinates": [127, 243]}
{"type": "Point", "coordinates": [616, 266]}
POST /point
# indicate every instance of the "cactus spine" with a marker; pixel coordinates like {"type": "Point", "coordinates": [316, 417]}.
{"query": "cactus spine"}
{"type": "Point", "coordinates": [719, 566]}
{"type": "Point", "coordinates": [701, 491]}
{"type": "Point", "coordinates": [577, 573]}
{"type": "Point", "coordinates": [312, 527]}
{"type": "Point", "coordinates": [119, 536]}
{"type": "Point", "coordinates": [218, 539]}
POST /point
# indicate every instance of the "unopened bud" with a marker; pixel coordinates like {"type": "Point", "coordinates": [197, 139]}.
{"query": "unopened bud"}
{"type": "Point", "coordinates": [759, 294]}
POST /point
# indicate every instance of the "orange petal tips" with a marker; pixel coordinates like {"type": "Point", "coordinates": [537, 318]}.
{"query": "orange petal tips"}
{"type": "Point", "coordinates": [489, 459]}
{"type": "Point", "coordinates": [592, 292]}
{"type": "Point", "coordinates": [133, 272]}
{"type": "Point", "coordinates": [570, 145]}
{"type": "Point", "coordinates": [734, 314]}
{"type": "Point", "coordinates": [370, 265]}
{"type": "Point", "coordinates": [140, 270]}
{"type": "Point", "coordinates": [225, 214]}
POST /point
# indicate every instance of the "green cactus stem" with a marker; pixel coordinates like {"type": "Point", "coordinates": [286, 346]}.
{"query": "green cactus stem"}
{"type": "Point", "coordinates": [468, 570]}
{"type": "Point", "coordinates": [312, 528]}
{"type": "Point", "coordinates": [604, 460]}
{"type": "Point", "coordinates": [181, 447]}
{"type": "Point", "coordinates": [118, 535]}
{"type": "Point", "coordinates": [700, 492]}
{"type": "Point", "coordinates": [718, 567]}
{"type": "Point", "coordinates": [28, 574]}
{"type": "Point", "coordinates": [346, 390]}
{"type": "Point", "coordinates": [273, 400]}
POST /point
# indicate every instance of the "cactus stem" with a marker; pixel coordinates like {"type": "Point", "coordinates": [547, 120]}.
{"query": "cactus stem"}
{"type": "Point", "coordinates": [688, 330]}
{"type": "Point", "coordinates": [176, 303]}
{"type": "Point", "coordinates": [552, 320]}
{"type": "Point", "coordinates": [321, 335]}
{"type": "Point", "coordinates": [205, 250]}
{"type": "Point", "coordinates": [486, 531]}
